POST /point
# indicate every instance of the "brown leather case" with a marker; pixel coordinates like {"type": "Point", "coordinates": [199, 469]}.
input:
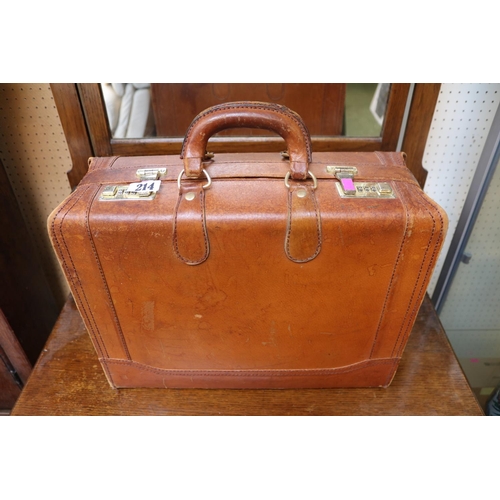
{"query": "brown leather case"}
{"type": "Point", "coordinates": [249, 270]}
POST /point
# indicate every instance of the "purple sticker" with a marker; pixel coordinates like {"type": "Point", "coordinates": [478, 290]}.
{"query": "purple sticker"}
{"type": "Point", "coordinates": [347, 184]}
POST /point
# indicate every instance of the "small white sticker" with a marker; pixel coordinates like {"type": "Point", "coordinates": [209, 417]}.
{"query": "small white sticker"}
{"type": "Point", "coordinates": [137, 187]}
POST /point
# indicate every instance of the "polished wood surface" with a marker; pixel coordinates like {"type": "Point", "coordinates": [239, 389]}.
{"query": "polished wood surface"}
{"type": "Point", "coordinates": [425, 96]}
{"type": "Point", "coordinates": [321, 105]}
{"type": "Point", "coordinates": [73, 123]}
{"type": "Point", "coordinates": [68, 380]}
{"type": "Point", "coordinates": [96, 118]}
{"type": "Point", "coordinates": [391, 128]}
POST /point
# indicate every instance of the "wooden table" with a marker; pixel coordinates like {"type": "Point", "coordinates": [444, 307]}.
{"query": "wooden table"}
{"type": "Point", "coordinates": [68, 380]}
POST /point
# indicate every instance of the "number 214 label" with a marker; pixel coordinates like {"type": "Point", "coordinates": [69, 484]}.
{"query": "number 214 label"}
{"type": "Point", "coordinates": [137, 187]}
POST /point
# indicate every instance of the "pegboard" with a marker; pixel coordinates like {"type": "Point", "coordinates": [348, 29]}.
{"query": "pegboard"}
{"type": "Point", "coordinates": [475, 343]}
{"type": "Point", "coordinates": [470, 312]}
{"type": "Point", "coordinates": [36, 158]}
{"type": "Point", "coordinates": [461, 123]}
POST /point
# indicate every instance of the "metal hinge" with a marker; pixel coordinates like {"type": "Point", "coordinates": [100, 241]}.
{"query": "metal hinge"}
{"type": "Point", "coordinates": [12, 371]}
{"type": "Point", "coordinates": [466, 257]}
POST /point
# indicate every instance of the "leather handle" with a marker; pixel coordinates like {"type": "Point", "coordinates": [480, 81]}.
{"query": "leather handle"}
{"type": "Point", "coordinates": [251, 114]}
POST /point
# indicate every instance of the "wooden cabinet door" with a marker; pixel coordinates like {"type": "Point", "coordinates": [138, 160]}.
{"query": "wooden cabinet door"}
{"type": "Point", "coordinates": [14, 366]}
{"type": "Point", "coordinates": [321, 105]}
{"type": "Point", "coordinates": [28, 309]}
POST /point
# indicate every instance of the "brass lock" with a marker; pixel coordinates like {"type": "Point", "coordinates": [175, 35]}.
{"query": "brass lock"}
{"type": "Point", "coordinates": [119, 192]}
{"type": "Point", "coordinates": [348, 188]}
{"type": "Point", "coordinates": [367, 190]}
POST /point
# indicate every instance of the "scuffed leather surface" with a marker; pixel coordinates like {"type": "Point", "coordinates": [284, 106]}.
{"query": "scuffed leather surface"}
{"type": "Point", "coordinates": [248, 306]}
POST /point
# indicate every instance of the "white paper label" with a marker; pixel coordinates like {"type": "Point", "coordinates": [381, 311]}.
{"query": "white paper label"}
{"type": "Point", "coordinates": [137, 187]}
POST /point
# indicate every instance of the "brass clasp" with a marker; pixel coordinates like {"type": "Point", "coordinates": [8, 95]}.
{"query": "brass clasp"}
{"type": "Point", "coordinates": [150, 174]}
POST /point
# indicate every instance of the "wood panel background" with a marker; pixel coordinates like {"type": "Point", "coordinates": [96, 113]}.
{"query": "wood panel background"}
{"type": "Point", "coordinates": [320, 105]}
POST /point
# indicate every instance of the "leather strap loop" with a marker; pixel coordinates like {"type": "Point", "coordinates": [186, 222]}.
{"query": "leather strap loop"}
{"type": "Point", "coordinates": [251, 114]}
{"type": "Point", "coordinates": [190, 238]}
{"type": "Point", "coordinates": [303, 232]}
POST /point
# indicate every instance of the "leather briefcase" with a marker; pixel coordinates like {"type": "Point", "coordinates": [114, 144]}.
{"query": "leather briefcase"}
{"type": "Point", "coordinates": [249, 270]}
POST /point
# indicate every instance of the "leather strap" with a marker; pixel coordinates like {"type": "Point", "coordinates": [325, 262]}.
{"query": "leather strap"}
{"type": "Point", "coordinates": [190, 237]}
{"type": "Point", "coordinates": [252, 114]}
{"type": "Point", "coordinates": [303, 233]}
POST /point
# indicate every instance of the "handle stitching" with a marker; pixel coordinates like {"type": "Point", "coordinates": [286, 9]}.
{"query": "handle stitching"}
{"type": "Point", "coordinates": [204, 229]}
{"type": "Point", "coordinates": [269, 107]}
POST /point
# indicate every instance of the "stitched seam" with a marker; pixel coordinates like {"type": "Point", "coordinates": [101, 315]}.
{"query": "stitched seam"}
{"type": "Point", "coordinates": [108, 373]}
{"type": "Point", "coordinates": [406, 317]}
{"type": "Point", "coordinates": [98, 163]}
{"type": "Point", "coordinates": [77, 284]}
{"type": "Point", "coordinates": [421, 286]}
{"type": "Point", "coordinates": [338, 163]}
{"type": "Point", "coordinates": [261, 178]}
{"type": "Point", "coordinates": [257, 373]}
{"type": "Point", "coordinates": [395, 158]}
{"type": "Point", "coordinates": [389, 289]}
{"type": "Point", "coordinates": [391, 375]}
{"type": "Point", "coordinates": [112, 162]}
{"type": "Point", "coordinates": [289, 225]}
{"type": "Point", "coordinates": [266, 177]}
{"type": "Point", "coordinates": [99, 342]}
{"type": "Point", "coordinates": [431, 263]}
{"type": "Point", "coordinates": [270, 107]}
{"type": "Point", "coordinates": [380, 157]}
{"type": "Point", "coordinates": [203, 226]}
{"type": "Point", "coordinates": [398, 159]}
{"type": "Point", "coordinates": [176, 246]}
{"type": "Point", "coordinates": [289, 229]}
{"type": "Point", "coordinates": [318, 223]}
{"type": "Point", "coordinates": [101, 272]}
{"type": "Point", "coordinates": [249, 161]}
